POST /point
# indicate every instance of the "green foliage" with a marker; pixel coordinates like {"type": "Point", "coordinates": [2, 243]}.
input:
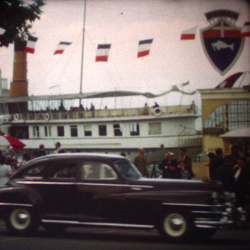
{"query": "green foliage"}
{"type": "Point", "coordinates": [16, 17]}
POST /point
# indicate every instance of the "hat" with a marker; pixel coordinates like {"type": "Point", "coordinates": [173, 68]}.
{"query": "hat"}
{"type": "Point", "coordinates": [169, 154]}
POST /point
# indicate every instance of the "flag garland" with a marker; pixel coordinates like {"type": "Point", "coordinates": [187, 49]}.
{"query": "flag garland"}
{"type": "Point", "coordinates": [245, 30]}
{"type": "Point", "coordinates": [61, 47]}
{"type": "Point", "coordinates": [102, 52]}
{"type": "Point", "coordinates": [30, 45]}
{"type": "Point", "coordinates": [189, 34]}
{"type": "Point", "coordinates": [144, 47]}
{"type": "Point", "coordinates": [2, 31]}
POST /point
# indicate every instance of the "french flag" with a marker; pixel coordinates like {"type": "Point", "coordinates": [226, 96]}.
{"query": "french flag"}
{"type": "Point", "coordinates": [102, 52]}
{"type": "Point", "coordinates": [30, 45]}
{"type": "Point", "coordinates": [189, 34]}
{"type": "Point", "coordinates": [2, 30]}
{"type": "Point", "coordinates": [245, 30]}
{"type": "Point", "coordinates": [61, 47]}
{"type": "Point", "coordinates": [144, 47]}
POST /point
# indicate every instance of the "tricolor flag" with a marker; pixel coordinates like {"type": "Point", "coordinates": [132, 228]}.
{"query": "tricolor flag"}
{"type": "Point", "coordinates": [2, 30]}
{"type": "Point", "coordinates": [230, 81]}
{"type": "Point", "coordinates": [144, 47]}
{"type": "Point", "coordinates": [61, 47]}
{"type": "Point", "coordinates": [245, 30]}
{"type": "Point", "coordinates": [189, 34]}
{"type": "Point", "coordinates": [102, 52]}
{"type": "Point", "coordinates": [30, 45]}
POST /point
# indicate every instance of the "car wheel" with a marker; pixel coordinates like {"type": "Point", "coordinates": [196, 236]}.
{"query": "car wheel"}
{"type": "Point", "coordinates": [55, 228]}
{"type": "Point", "coordinates": [21, 221]}
{"type": "Point", "coordinates": [175, 226]}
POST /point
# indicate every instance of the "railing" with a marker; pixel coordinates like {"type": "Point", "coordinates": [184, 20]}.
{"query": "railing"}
{"type": "Point", "coordinates": [104, 113]}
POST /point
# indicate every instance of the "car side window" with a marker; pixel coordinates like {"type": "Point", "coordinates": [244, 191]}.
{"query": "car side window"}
{"type": "Point", "coordinates": [36, 172]}
{"type": "Point", "coordinates": [64, 170]}
{"type": "Point", "coordinates": [97, 171]}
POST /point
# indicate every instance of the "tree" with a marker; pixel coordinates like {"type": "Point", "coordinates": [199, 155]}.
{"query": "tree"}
{"type": "Point", "coordinates": [16, 17]}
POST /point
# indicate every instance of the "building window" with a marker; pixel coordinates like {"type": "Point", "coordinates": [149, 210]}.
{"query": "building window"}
{"type": "Point", "coordinates": [134, 129]}
{"type": "Point", "coordinates": [47, 131]}
{"type": "Point", "coordinates": [36, 131]}
{"type": "Point", "coordinates": [117, 130]}
{"type": "Point", "coordinates": [154, 128]}
{"type": "Point", "coordinates": [102, 130]}
{"type": "Point", "coordinates": [60, 131]}
{"type": "Point", "coordinates": [73, 131]}
{"type": "Point", "coordinates": [228, 117]}
{"type": "Point", "coordinates": [87, 130]}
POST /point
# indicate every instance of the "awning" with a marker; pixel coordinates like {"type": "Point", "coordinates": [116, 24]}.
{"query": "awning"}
{"type": "Point", "coordinates": [238, 133]}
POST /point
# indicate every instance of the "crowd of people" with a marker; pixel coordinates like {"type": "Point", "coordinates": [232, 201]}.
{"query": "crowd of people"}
{"type": "Point", "coordinates": [233, 170]}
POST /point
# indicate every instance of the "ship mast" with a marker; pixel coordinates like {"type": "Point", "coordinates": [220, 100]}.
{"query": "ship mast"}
{"type": "Point", "coordinates": [82, 58]}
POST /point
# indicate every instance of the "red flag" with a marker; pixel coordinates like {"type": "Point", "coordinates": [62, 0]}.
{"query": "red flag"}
{"type": "Point", "coordinates": [102, 52]}
{"type": "Point", "coordinates": [61, 47]}
{"type": "Point", "coordinates": [230, 81]}
{"type": "Point", "coordinates": [144, 47]}
{"type": "Point", "coordinates": [30, 45]}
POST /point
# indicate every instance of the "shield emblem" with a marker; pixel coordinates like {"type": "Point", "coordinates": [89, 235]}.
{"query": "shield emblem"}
{"type": "Point", "coordinates": [222, 44]}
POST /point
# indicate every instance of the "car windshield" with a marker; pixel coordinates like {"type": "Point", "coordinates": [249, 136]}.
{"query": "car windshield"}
{"type": "Point", "coordinates": [127, 169]}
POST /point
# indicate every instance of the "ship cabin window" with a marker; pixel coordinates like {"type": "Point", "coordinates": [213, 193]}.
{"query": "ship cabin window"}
{"type": "Point", "coordinates": [20, 132]}
{"type": "Point", "coordinates": [117, 130]}
{"type": "Point", "coordinates": [134, 129]}
{"type": "Point", "coordinates": [47, 131]}
{"type": "Point", "coordinates": [73, 131]}
{"type": "Point", "coordinates": [102, 130]}
{"type": "Point", "coordinates": [154, 128]}
{"type": "Point", "coordinates": [60, 130]}
{"type": "Point", "coordinates": [87, 130]}
{"type": "Point", "coordinates": [36, 131]}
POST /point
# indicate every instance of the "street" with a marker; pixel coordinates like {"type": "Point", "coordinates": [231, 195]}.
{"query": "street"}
{"type": "Point", "coordinates": [99, 238]}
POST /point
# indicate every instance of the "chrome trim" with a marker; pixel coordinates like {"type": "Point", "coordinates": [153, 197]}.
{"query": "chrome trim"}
{"type": "Point", "coordinates": [187, 204]}
{"type": "Point", "coordinates": [15, 204]}
{"type": "Point", "coordinates": [98, 224]}
{"type": "Point", "coordinates": [84, 184]}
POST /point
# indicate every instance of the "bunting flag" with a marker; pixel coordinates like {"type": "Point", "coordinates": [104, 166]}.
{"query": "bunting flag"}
{"type": "Point", "coordinates": [30, 45]}
{"type": "Point", "coordinates": [185, 84]}
{"type": "Point", "coordinates": [230, 81]}
{"type": "Point", "coordinates": [102, 52]}
{"type": "Point", "coordinates": [61, 47]}
{"type": "Point", "coordinates": [2, 30]}
{"type": "Point", "coordinates": [189, 34]}
{"type": "Point", "coordinates": [144, 47]}
{"type": "Point", "coordinates": [245, 30]}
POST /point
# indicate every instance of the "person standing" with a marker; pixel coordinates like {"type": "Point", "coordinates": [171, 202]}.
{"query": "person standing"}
{"type": "Point", "coordinates": [141, 162]}
{"type": "Point", "coordinates": [58, 147]}
{"type": "Point", "coordinates": [169, 166]}
{"type": "Point", "coordinates": [41, 151]}
{"type": "Point", "coordinates": [5, 171]}
{"type": "Point", "coordinates": [186, 161]}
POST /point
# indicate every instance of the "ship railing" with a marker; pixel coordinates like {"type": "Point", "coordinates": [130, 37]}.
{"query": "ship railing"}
{"type": "Point", "coordinates": [103, 113]}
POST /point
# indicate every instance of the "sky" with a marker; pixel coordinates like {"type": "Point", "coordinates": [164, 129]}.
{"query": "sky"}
{"type": "Point", "coordinates": [123, 23]}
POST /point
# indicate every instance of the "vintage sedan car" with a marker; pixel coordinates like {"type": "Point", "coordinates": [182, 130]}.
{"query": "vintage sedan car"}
{"type": "Point", "coordinates": [76, 189]}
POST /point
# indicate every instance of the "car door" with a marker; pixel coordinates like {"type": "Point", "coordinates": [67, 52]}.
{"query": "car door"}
{"type": "Point", "coordinates": [100, 193]}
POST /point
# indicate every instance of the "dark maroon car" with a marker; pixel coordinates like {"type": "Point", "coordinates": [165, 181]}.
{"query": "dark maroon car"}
{"type": "Point", "coordinates": [63, 190]}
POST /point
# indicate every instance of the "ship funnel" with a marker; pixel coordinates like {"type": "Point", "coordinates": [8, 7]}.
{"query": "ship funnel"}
{"type": "Point", "coordinates": [19, 86]}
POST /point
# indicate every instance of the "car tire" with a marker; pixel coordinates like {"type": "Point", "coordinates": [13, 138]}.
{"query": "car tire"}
{"type": "Point", "coordinates": [175, 226]}
{"type": "Point", "coordinates": [55, 228]}
{"type": "Point", "coordinates": [21, 221]}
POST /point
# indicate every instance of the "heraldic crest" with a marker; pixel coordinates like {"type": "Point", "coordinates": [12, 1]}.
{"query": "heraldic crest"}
{"type": "Point", "coordinates": [221, 40]}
